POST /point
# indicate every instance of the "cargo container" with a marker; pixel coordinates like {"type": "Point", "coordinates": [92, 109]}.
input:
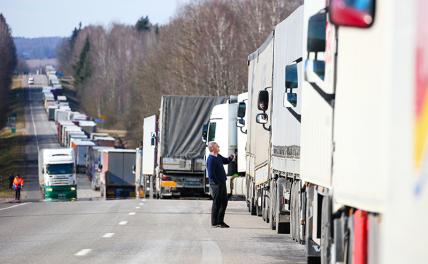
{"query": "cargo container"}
{"type": "Point", "coordinates": [117, 179]}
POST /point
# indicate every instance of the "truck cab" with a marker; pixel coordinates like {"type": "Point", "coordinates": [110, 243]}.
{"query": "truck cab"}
{"type": "Point", "coordinates": [57, 176]}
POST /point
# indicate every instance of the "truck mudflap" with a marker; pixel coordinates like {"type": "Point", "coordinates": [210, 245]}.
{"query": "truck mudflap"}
{"type": "Point", "coordinates": [120, 192]}
{"type": "Point", "coordinates": [63, 192]}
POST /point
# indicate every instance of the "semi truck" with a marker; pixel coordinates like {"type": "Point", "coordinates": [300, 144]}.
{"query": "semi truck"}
{"type": "Point", "coordinates": [347, 175]}
{"type": "Point", "coordinates": [276, 117]}
{"type": "Point", "coordinates": [57, 177]}
{"type": "Point", "coordinates": [180, 163]}
{"type": "Point", "coordinates": [117, 180]}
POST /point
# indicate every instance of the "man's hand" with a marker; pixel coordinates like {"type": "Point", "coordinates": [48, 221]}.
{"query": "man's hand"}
{"type": "Point", "coordinates": [232, 157]}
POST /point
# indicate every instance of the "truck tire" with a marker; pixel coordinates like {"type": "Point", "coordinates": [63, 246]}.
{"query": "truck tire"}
{"type": "Point", "coordinates": [267, 207]}
{"type": "Point", "coordinates": [272, 206]}
{"type": "Point", "coordinates": [325, 230]}
{"type": "Point", "coordinates": [281, 227]}
{"type": "Point", "coordinates": [292, 213]}
{"type": "Point", "coordinates": [259, 200]}
{"type": "Point", "coordinates": [253, 207]}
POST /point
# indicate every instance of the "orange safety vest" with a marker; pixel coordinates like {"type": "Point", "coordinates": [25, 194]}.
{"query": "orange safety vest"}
{"type": "Point", "coordinates": [18, 181]}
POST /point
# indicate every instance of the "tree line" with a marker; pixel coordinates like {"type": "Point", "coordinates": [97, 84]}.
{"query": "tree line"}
{"type": "Point", "coordinates": [8, 63]}
{"type": "Point", "coordinates": [121, 72]}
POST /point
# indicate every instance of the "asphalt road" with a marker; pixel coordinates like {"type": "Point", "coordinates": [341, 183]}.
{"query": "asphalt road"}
{"type": "Point", "coordinates": [134, 231]}
{"type": "Point", "coordinates": [91, 230]}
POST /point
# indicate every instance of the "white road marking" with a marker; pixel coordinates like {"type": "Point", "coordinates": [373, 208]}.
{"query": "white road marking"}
{"type": "Point", "coordinates": [83, 252]}
{"type": "Point", "coordinates": [137, 207]}
{"type": "Point", "coordinates": [132, 213]}
{"type": "Point", "coordinates": [108, 235]}
{"type": "Point", "coordinates": [141, 204]}
{"type": "Point", "coordinates": [32, 120]}
{"type": "Point", "coordinates": [16, 205]}
{"type": "Point", "coordinates": [211, 252]}
{"type": "Point", "coordinates": [123, 222]}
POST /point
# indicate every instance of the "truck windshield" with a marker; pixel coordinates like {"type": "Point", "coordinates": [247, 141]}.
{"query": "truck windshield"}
{"type": "Point", "coordinates": [60, 168]}
{"type": "Point", "coordinates": [211, 132]}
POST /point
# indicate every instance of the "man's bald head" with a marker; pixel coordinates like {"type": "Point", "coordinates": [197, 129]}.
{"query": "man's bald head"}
{"type": "Point", "coordinates": [213, 147]}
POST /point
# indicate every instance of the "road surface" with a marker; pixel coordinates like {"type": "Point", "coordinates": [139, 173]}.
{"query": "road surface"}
{"type": "Point", "coordinates": [91, 230]}
{"type": "Point", "coordinates": [135, 231]}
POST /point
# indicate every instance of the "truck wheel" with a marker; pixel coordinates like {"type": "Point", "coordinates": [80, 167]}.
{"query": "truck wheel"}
{"type": "Point", "coordinates": [253, 207]}
{"type": "Point", "coordinates": [272, 206]}
{"type": "Point", "coordinates": [266, 209]}
{"type": "Point", "coordinates": [292, 214]}
{"type": "Point", "coordinates": [325, 230]}
{"type": "Point", "coordinates": [259, 200]}
{"type": "Point", "coordinates": [281, 227]}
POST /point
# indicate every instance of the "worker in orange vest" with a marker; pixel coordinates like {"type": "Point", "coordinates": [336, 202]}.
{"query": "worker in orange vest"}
{"type": "Point", "coordinates": [18, 183]}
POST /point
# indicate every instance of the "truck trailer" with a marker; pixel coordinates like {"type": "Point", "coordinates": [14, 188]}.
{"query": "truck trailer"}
{"type": "Point", "coordinates": [180, 156]}
{"type": "Point", "coordinates": [117, 179]}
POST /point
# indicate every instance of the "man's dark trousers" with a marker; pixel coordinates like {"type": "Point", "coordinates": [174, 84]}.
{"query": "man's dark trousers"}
{"type": "Point", "coordinates": [18, 193]}
{"type": "Point", "coordinates": [219, 195]}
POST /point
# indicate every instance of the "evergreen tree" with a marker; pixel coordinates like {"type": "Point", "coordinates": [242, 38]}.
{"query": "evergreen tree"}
{"type": "Point", "coordinates": [143, 24]}
{"type": "Point", "coordinates": [82, 69]}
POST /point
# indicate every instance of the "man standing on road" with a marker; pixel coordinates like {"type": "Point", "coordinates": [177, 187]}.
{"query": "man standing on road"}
{"type": "Point", "coordinates": [217, 177]}
{"type": "Point", "coordinates": [18, 183]}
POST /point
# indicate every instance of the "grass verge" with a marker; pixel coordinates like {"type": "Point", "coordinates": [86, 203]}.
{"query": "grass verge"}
{"type": "Point", "coordinates": [12, 145]}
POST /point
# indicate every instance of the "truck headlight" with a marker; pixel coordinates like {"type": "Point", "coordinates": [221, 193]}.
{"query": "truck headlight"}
{"type": "Point", "coordinates": [49, 189]}
{"type": "Point", "coordinates": [73, 188]}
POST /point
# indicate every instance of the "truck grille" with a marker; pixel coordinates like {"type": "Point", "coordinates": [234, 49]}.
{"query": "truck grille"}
{"type": "Point", "coordinates": [60, 180]}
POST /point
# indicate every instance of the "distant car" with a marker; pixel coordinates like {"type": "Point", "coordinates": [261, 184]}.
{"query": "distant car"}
{"type": "Point", "coordinates": [31, 80]}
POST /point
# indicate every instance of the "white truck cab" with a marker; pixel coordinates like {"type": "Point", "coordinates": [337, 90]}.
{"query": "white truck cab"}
{"type": "Point", "coordinates": [57, 176]}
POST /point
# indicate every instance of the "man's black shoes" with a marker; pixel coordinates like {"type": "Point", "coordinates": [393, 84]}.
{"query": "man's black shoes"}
{"type": "Point", "coordinates": [224, 225]}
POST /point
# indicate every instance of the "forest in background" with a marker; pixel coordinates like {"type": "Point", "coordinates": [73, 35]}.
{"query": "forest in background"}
{"type": "Point", "coordinates": [121, 72]}
{"type": "Point", "coordinates": [8, 62]}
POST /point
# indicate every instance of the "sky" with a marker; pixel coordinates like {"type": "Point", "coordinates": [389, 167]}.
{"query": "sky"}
{"type": "Point", "coordinates": [45, 18]}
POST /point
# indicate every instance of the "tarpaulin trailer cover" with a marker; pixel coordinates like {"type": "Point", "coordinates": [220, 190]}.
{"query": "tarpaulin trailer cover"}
{"type": "Point", "coordinates": [182, 118]}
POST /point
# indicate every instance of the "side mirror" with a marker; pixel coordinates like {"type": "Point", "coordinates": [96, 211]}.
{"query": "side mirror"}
{"type": "Point", "coordinates": [133, 169]}
{"type": "Point", "coordinates": [204, 132]}
{"type": "Point", "coordinates": [314, 71]}
{"type": "Point", "coordinates": [43, 170]}
{"type": "Point", "coordinates": [262, 118]}
{"type": "Point", "coordinates": [241, 109]}
{"type": "Point", "coordinates": [241, 122]}
{"type": "Point", "coordinates": [317, 25]}
{"type": "Point", "coordinates": [263, 101]}
{"type": "Point", "coordinates": [291, 76]}
{"type": "Point", "coordinates": [358, 14]}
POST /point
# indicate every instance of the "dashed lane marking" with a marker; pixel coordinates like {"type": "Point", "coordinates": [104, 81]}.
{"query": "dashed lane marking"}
{"type": "Point", "coordinates": [123, 222]}
{"type": "Point", "coordinates": [108, 235]}
{"type": "Point", "coordinates": [83, 252]}
{"type": "Point", "coordinates": [132, 213]}
{"type": "Point", "coordinates": [16, 205]}
{"type": "Point", "coordinates": [137, 207]}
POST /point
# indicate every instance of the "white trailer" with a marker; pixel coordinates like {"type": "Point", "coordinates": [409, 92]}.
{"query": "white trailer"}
{"type": "Point", "coordinates": [149, 153]}
{"type": "Point", "coordinates": [80, 153]}
{"type": "Point", "coordinates": [259, 79]}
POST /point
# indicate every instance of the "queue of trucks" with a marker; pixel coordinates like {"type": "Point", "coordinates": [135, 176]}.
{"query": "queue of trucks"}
{"type": "Point", "coordinates": [109, 169]}
{"type": "Point", "coordinates": [331, 136]}
{"type": "Point", "coordinates": [335, 124]}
